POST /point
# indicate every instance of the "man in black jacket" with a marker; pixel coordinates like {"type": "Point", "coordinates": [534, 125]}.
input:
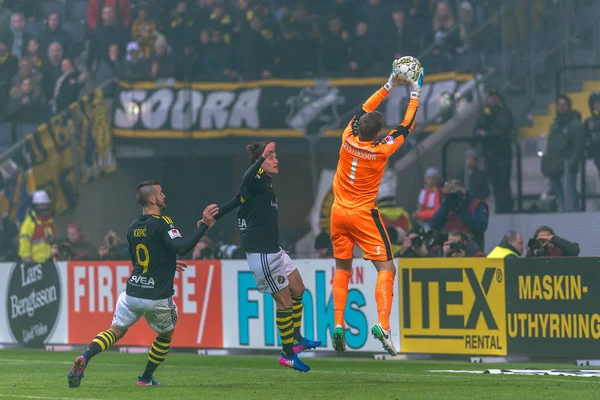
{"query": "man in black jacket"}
{"type": "Point", "coordinates": [494, 129]}
{"type": "Point", "coordinates": [546, 244]}
{"type": "Point", "coordinates": [592, 130]}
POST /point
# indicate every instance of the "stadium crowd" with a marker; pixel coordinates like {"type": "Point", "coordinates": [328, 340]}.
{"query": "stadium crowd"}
{"type": "Point", "coordinates": [50, 50]}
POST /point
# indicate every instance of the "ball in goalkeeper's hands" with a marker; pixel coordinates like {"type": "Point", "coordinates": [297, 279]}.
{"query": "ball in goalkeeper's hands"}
{"type": "Point", "coordinates": [407, 69]}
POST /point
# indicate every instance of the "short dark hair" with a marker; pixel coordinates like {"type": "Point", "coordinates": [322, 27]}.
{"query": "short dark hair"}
{"type": "Point", "coordinates": [510, 236]}
{"type": "Point", "coordinates": [543, 228]}
{"type": "Point", "coordinates": [256, 149]}
{"type": "Point", "coordinates": [370, 124]}
{"type": "Point", "coordinates": [463, 236]}
{"type": "Point", "coordinates": [144, 191]}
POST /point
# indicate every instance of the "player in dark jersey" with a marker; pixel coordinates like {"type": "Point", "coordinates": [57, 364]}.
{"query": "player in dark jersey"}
{"type": "Point", "coordinates": [154, 243]}
{"type": "Point", "coordinates": [272, 268]}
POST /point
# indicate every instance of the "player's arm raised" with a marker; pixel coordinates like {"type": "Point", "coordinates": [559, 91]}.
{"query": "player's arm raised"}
{"type": "Point", "coordinates": [397, 135]}
{"type": "Point", "coordinates": [182, 245]}
{"type": "Point", "coordinates": [250, 175]}
{"type": "Point", "coordinates": [373, 102]}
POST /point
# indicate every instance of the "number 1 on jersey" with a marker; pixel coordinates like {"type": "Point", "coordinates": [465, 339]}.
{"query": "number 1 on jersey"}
{"type": "Point", "coordinates": [353, 169]}
{"type": "Point", "coordinates": [140, 248]}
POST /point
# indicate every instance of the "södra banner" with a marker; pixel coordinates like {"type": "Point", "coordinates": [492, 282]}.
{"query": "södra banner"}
{"type": "Point", "coordinates": [249, 317]}
{"type": "Point", "coordinates": [452, 306]}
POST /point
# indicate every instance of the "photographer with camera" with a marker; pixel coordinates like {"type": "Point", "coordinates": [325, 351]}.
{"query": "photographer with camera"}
{"type": "Point", "coordinates": [413, 246]}
{"type": "Point", "coordinates": [74, 247]}
{"type": "Point", "coordinates": [204, 250]}
{"type": "Point", "coordinates": [511, 246]}
{"type": "Point", "coordinates": [546, 244]}
{"type": "Point", "coordinates": [112, 248]}
{"type": "Point", "coordinates": [453, 244]}
{"type": "Point", "coordinates": [461, 211]}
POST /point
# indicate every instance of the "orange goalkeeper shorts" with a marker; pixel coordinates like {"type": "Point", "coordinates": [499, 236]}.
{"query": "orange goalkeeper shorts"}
{"type": "Point", "coordinates": [362, 227]}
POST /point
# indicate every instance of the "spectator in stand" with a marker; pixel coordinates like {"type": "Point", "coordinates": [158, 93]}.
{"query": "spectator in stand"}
{"type": "Point", "coordinates": [67, 86]}
{"type": "Point", "coordinates": [360, 51]}
{"type": "Point", "coordinates": [475, 179]}
{"type": "Point", "coordinates": [181, 25]}
{"type": "Point", "coordinates": [256, 51]}
{"type": "Point", "coordinates": [37, 231]}
{"type": "Point", "coordinates": [161, 66]}
{"type": "Point", "coordinates": [34, 56]}
{"type": "Point", "coordinates": [374, 13]}
{"type": "Point", "coordinates": [143, 31]}
{"type": "Point", "coordinates": [413, 246]}
{"type": "Point", "coordinates": [25, 105]}
{"type": "Point", "coordinates": [461, 211]}
{"type": "Point", "coordinates": [291, 63]}
{"type": "Point", "coordinates": [430, 198]}
{"type": "Point", "coordinates": [9, 240]}
{"type": "Point", "coordinates": [323, 245]}
{"type": "Point", "coordinates": [189, 64]}
{"type": "Point", "coordinates": [592, 130]}
{"type": "Point", "coordinates": [221, 20]}
{"type": "Point", "coordinates": [122, 13]}
{"type": "Point", "coordinates": [218, 61]}
{"type": "Point", "coordinates": [493, 129]}
{"type": "Point", "coordinates": [402, 33]}
{"type": "Point", "coordinates": [112, 248]}
{"type": "Point", "coordinates": [135, 66]}
{"type": "Point", "coordinates": [51, 69]}
{"type": "Point", "coordinates": [344, 9]}
{"type": "Point", "coordinates": [511, 246]}
{"type": "Point", "coordinates": [9, 66]}
{"type": "Point", "coordinates": [108, 69]}
{"type": "Point", "coordinates": [546, 244]}
{"type": "Point", "coordinates": [445, 29]}
{"type": "Point", "coordinates": [26, 72]}
{"type": "Point", "coordinates": [467, 25]}
{"type": "Point", "coordinates": [18, 37]}
{"type": "Point", "coordinates": [334, 46]}
{"type": "Point", "coordinates": [55, 33]}
{"type": "Point", "coordinates": [107, 34]}
{"type": "Point", "coordinates": [81, 248]}
{"type": "Point", "coordinates": [5, 15]}
{"type": "Point", "coordinates": [564, 154]}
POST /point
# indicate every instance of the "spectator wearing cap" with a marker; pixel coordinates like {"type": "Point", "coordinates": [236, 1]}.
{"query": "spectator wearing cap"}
{"type": "Point", "coordinates": [564, 154]}
{"type": "Point", "coordinates": [493, 129]}
{"type": "Point", "coordinates": [475, 179]}
{"type": "Point", "coordinates": [429, 198]}
{"type": "Point", "coordinates": [37, 231]}
{"type": "Point", "coordinates": [82, 249]}
{"type": "Point", "coordinates": [135, 66]}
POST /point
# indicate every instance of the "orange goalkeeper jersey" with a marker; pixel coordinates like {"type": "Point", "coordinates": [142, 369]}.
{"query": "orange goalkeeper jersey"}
{"type": "Point", "coordinates": [361, 164]}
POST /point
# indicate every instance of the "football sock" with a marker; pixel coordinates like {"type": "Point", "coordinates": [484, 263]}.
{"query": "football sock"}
{"type": "Point", "coordinates": [101, 342]}
{"type": "Point", "coordinates": [384, 292]}
{"type": "Point", "coordinates": [285, 325]}
{"type": "Point", "coordinates": [157, 354]}
{"type": "Point", "coordinates": [340, 295]}
{"type": "Point", "coordinates": [297, 317]}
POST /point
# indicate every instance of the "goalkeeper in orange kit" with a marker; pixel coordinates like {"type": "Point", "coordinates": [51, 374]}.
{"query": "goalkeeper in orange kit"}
{"type": "Point", "coordinates": [354, 217]}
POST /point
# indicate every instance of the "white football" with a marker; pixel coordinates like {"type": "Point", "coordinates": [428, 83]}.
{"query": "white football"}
{"type": "Point", "coordinates": [407, 68]}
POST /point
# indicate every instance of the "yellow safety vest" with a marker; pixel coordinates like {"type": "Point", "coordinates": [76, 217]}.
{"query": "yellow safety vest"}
{"type": "Point", "coordinates": [502, 252]}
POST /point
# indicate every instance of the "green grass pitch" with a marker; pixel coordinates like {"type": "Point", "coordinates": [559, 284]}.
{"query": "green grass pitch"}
{"type": "Point", "coordinates": [37, 374]}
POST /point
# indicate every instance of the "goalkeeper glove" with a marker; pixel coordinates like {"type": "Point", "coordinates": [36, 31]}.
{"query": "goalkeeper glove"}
{"type": "Point", "coordinates": [393, 80]}
{"type": "Point", "coordinates": [416, 85]}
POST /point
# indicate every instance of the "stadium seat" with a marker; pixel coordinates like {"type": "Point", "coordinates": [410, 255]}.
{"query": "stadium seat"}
{"type": "Point", "coordinates": [48, 6]}
{"type": "Point", "coordinates": [76, 10]}
{"type": "Point", "coordinates": [76, 29]}
{"type": "Point", "coordinates": [35, 28]}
